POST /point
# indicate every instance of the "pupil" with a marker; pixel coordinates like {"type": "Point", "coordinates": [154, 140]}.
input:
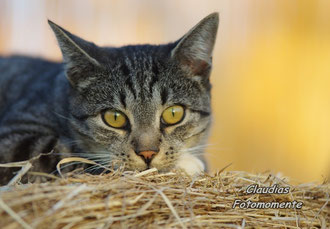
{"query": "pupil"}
{"type": "Point", "coordinates": [173, 112]}
{"type": "Point", "coordinates": [116, 114]}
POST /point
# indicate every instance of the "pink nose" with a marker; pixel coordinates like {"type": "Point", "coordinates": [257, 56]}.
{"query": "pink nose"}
{"type": "Point", "coordinates": [147, 154]}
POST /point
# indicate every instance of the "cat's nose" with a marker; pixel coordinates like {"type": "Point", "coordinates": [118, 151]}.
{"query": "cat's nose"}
{"type": "Point", "coordinates": [147, 155]}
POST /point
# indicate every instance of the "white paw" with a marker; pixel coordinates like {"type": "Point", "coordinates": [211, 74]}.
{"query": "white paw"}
{"type": "Point", "coordinates": [190, 164]}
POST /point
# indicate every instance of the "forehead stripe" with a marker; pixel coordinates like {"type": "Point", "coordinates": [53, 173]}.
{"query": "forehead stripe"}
{"type": "Point", "coordinates": [202, 113]}
{"type": "Point", "coordinates": [130, 86]}
{"type": "Point", "coordinates": [154, 79]}
{"type": "Point", "coordinates": [164, 95]}
{"type": "Point", "coordinates": [122, 98]}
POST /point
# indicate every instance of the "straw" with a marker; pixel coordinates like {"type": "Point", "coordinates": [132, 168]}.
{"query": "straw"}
{"type": "Point", "coordinates": [124, 199]}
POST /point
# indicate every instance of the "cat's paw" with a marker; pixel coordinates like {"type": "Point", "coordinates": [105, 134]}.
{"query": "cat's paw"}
{"type": "Point", "coordinates": [190, 164]}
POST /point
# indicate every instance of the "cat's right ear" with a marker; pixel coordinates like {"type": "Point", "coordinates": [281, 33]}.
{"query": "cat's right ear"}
{"type": "Point", "coordinates": [77, 55]}
{"type": "Point", "coordinates": [194, 50]}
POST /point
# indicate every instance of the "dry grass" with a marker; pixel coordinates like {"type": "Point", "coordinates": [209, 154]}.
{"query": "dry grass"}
{"type": "Point", "coordinates": [151, 200]}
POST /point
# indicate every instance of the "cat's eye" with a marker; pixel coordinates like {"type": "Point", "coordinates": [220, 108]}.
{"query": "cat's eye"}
{"type": "Point", "coordinates": [114, 118]}
{"type": "Point", "coordinates": [173, 115]}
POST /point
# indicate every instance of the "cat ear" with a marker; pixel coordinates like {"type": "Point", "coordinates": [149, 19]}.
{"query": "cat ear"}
{"type": "Point", "coordinates": [75, 51]}
{"type": "Point", "coordinates": [194, 49]}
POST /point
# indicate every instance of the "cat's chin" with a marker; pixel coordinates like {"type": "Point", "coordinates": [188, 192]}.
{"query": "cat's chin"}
{"type": "Point", "coordinates": [190, 164]}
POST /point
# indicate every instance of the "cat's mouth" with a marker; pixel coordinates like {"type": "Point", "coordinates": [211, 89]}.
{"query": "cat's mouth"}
{"type": "Point", "coordinates": [159, 161]}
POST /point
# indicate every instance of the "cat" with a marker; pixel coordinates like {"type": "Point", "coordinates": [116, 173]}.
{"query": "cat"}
{"type": "Point", "coordinates": [137, 106]}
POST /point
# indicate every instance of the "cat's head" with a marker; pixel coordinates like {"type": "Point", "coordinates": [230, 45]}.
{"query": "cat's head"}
{"type": "Point", "coordinates": [143, 105]}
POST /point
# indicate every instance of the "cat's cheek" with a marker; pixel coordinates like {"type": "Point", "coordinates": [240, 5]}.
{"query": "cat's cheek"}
{"type": "Point", "coordinates": [190, 164]}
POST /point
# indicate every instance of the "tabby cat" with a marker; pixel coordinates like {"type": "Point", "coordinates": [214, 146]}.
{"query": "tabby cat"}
{"type": "Point", "coordinates": [138, 106]}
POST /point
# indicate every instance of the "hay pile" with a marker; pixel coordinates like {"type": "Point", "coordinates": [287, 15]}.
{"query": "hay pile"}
{"type": "Point", "coordinates": [151, 200]}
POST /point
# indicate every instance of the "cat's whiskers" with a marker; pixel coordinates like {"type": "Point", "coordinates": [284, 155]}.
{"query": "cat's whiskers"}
{"type": "Point", "coordinates": [101, 160]}
{"type": "Point", "coordinates": [211, 146]}
{"type": "Point", "coordinates": [62, 116]}
{"type": "Point", "coordinates": [195, 148]}
{"type": "Point", "coordinates": [199, 150]}
{"type": "Point", "coordinates": [67, 165]}
{"type": "Point", "coordinates": [107, 165]}
{"type": "Point", "coordinates": [84, 155]}
{"type": "Point", "coordinates": [103, 165]}
{"type": "Point", "coordinates": [73, 142]}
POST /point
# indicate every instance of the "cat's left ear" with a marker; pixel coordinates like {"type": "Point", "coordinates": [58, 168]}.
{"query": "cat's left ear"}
{"type": "Point", "coordinates": [194, 49]}
{"type": "Point", "coordinates": [78, 57]}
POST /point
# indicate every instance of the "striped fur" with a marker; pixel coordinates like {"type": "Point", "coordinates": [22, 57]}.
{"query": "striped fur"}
{"type": "Point", "coordinates": [56, 107]}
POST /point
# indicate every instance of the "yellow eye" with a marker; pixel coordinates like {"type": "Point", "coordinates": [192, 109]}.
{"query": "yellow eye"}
{"type": "Point", "coordinates": [173, 115]}
{"type": "Point", "coordinates": [114, 118]}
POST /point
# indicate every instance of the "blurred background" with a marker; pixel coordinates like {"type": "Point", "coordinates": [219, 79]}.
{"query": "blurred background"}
{"type": "Point", "coordinates": [271, 75]}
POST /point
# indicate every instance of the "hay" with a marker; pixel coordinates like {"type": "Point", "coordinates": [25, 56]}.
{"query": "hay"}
{"type": "Point", "coordinates": [151, 200]}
